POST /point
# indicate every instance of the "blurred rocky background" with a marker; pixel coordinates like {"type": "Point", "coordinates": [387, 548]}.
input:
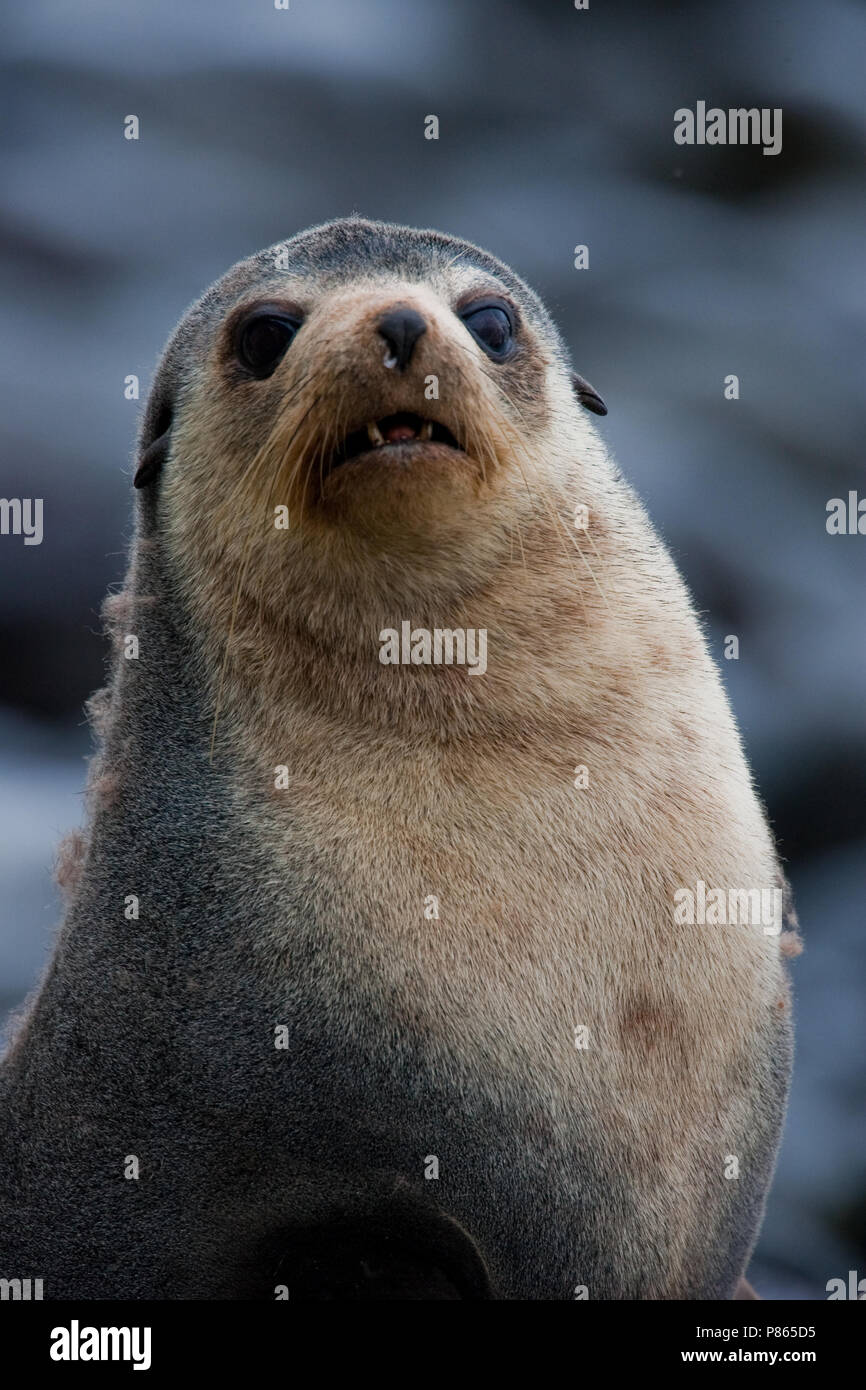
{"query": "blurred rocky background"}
{"type": "Point", "coordinates": [556, 129]}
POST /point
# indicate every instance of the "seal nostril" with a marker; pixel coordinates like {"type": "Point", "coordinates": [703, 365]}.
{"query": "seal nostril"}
{"type": "Point", "coordinates": [401, 327]}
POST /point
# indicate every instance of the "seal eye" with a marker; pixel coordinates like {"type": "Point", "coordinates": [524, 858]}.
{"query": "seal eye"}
{"type": "Point", "coordinates": [263, 340]}
{"type": "Point", "coordinates": [491, 325]}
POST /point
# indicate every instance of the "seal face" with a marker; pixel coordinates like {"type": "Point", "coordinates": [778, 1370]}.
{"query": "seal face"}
{"type": "Point", "coordinates": [376, 420]}
{"type": "Point", "coordinates": [376, 388]}
{"type": "Point", "coordinates": [451, 883]}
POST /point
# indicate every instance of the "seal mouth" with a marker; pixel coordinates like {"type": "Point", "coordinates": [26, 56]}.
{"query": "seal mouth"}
{"type": "Point", "coordinates": [402, 432]}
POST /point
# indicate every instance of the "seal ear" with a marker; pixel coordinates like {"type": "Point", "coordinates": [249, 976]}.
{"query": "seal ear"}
{"type": "Point", "coordinates": [587, 395]}
{"type": "Point", "coordinates": [155, 442]}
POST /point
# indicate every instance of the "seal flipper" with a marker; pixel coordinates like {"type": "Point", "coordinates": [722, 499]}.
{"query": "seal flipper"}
{"type": "Point", "coordinates": [387, 1248]}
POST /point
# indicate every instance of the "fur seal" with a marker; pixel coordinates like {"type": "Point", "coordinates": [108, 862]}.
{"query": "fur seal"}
{"type": "Point", "coordinates": [361, 991]}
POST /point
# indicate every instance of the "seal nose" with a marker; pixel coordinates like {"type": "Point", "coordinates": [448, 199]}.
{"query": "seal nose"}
{"type": "Point", "coordinates": [401, 327]}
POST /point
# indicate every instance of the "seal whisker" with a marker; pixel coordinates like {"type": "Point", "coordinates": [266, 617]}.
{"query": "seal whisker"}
{"type": "Point", "coordinates": [261, 456]}
{"type": "Point", "coordinates": [247, 551]}
{"type": "Point", "coordinates": [518, 446]}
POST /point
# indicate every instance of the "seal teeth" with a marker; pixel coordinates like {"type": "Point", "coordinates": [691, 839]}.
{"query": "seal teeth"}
{"type": "Point", "coordinates": [376, 436]}
{"type": "Point", "coordinates": [426, 430]}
